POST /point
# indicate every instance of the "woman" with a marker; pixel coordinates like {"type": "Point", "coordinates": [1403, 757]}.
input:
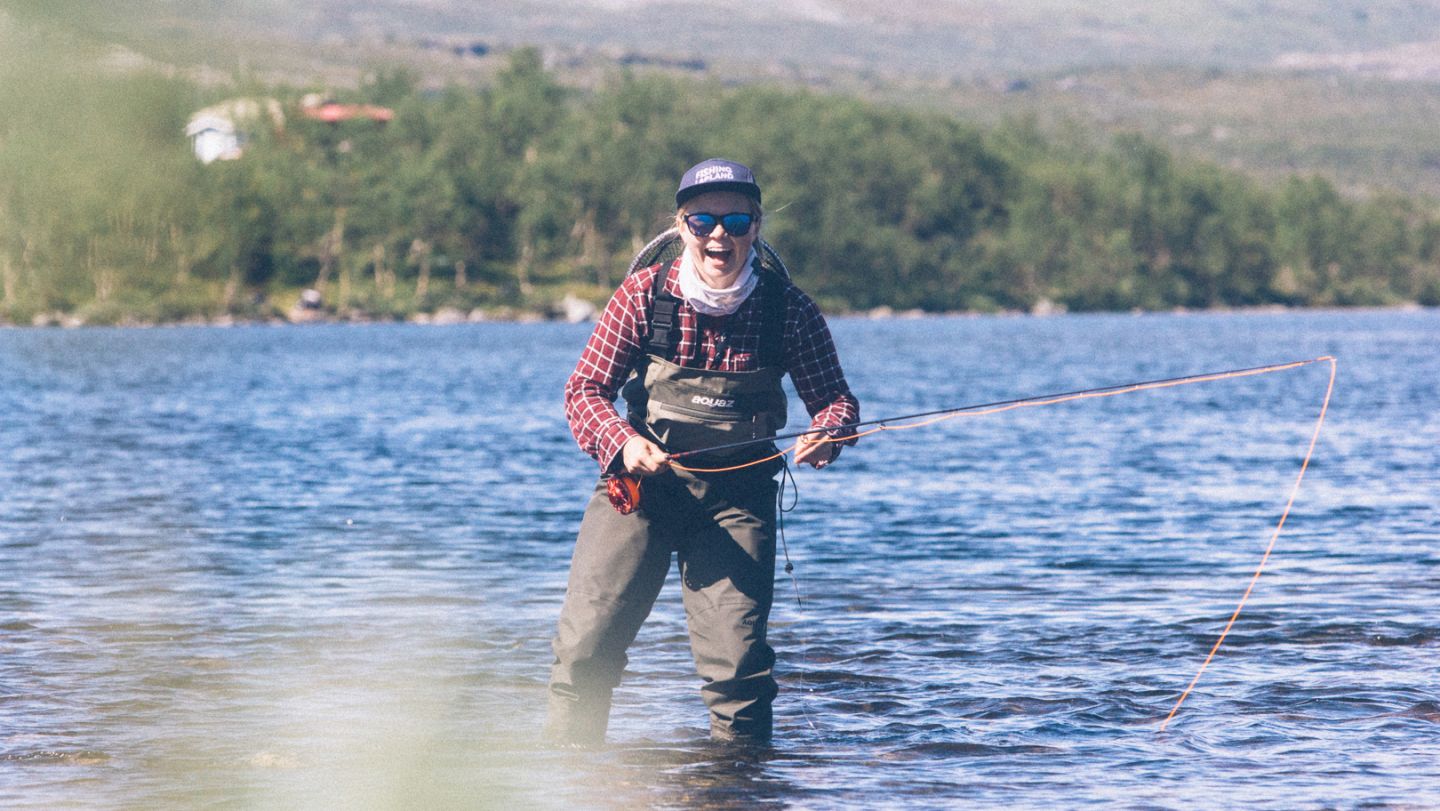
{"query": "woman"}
{"type": "Point", "coordinates": [700, 345]}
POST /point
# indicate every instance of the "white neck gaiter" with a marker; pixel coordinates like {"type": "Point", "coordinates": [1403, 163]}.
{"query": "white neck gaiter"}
{"type": "Point", "coordinates": [708, 300]}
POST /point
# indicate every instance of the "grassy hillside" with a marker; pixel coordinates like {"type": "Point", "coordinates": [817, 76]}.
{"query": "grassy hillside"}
{"type": "Point", "coordinates": [945, 38]}
{"type": "Point", "coordinates": [1268, 87]}
{"type": "Point", "coordinates": [1367, 134]}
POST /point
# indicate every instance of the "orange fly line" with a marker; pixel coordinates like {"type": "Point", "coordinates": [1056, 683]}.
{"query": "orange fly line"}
{"type": "Point", "coordinates": [1111, 392]}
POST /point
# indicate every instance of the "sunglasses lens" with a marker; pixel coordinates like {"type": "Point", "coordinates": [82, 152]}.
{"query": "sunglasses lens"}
{"type": "Point", "coordinates": [737, 225]}
{"type": "Point", "coordinates": [701, 224]}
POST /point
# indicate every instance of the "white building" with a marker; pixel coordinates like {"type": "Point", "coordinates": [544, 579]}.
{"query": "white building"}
{"type": "Point", "coordinates": [219, 132]}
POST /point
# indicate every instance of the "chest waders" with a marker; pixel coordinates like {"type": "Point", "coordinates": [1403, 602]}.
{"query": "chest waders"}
{"type": "Point", "coordinates": [720, 526]}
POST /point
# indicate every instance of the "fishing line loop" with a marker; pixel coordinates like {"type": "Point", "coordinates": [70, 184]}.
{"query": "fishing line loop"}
{"type": "Point", "coordinates": [780, 509]}
{"type": "Point", "coordinates": [1270, 547]}
{"type": "Point", "coordinates": [941, 415]}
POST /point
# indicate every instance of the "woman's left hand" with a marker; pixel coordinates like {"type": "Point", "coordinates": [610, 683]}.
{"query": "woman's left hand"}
{"type": "Point", "coordinates": [815, 450]}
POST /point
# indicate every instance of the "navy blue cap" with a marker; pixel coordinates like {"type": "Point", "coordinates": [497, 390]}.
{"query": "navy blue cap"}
{"type": "Point", "coordinates": [717, 175]}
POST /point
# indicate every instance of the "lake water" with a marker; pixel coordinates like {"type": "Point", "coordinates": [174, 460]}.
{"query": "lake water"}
{"type": "Point", "coordinates": [319, 567]}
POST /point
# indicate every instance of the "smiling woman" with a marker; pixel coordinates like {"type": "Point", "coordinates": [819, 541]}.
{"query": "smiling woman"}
{"type": "Point", "coordinates": [718, 245]}
{"type": "Point", "coordinates": [697, 346]}
{"type": "Point", "coordinates": [719, 250]}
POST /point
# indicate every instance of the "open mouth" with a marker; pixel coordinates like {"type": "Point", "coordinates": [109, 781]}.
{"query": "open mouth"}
{"type": "Point", "coordinates": [721, 255]}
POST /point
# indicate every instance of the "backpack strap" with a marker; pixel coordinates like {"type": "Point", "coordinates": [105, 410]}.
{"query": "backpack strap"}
{"type": "Point", "coordinates": [664, 317]}
{"type": "Point", "coordinates": [772, 319]}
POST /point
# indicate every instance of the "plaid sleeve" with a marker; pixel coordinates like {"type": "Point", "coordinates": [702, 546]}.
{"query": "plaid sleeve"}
{"type": "Point", "coordinates": [591, 390]}
{"type": "Point", "coordinates": [814, 366]}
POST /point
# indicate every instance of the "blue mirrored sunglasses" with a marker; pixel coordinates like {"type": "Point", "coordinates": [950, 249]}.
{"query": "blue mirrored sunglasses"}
{"type": "Point", "coordinates": [736, 223]}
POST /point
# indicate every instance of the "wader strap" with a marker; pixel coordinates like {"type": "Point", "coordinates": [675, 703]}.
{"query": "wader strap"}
{"type": "Point", "coordinates": [772, 320]}
{"type": "Point", "coordinates": [664, 317]}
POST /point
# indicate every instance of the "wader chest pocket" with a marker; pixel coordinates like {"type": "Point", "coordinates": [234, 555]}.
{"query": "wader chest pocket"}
{"type": "Point", "coordinates": [684, 429]}
{"type": "Point", "coordinates": [686, 409]}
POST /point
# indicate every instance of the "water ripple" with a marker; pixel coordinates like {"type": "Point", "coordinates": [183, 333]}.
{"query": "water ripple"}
{"type": "Point", "coordinates": [320, 567]}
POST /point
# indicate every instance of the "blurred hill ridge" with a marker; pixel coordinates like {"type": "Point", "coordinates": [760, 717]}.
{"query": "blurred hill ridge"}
{"type": "Point", "coordinates": [948, 38]}
{"type": "Point", "coordinates": [1270, 87]}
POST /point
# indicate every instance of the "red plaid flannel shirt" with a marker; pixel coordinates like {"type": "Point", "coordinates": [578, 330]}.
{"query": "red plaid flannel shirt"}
{"type": "Point", "coordinates": [722, 343]}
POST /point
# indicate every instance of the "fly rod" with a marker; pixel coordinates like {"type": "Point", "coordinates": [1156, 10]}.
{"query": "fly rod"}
{"type": "Point", "coordinates": [1038, 399]}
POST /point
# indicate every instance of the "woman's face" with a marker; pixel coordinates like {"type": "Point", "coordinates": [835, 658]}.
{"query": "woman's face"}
{"type": "Point", "coordinates": [718, 255]}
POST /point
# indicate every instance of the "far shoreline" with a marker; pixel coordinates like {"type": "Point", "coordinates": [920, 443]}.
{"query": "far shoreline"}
{"type": "Point", "coordinates": [66, 322]}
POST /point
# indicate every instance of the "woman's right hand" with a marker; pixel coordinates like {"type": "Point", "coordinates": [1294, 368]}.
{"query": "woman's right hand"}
{"type": "Point", "coordinates": [642, 457]}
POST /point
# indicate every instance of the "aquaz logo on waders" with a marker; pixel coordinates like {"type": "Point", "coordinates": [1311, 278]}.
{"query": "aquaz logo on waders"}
{"type": "Point", "coordinates": [712, 402]}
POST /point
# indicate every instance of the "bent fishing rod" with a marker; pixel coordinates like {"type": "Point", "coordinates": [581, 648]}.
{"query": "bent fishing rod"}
{"type": "Point", "coordinates": [625, 489]}
{"type": "Point", "coordinates": [832, 433]}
